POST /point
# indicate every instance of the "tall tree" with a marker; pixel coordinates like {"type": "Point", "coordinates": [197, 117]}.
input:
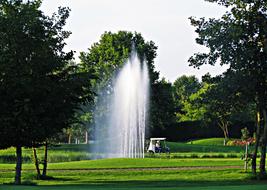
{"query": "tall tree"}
{"type": "Point", "coordinates": [108, 56]}
{"type": "Point", "coordinates": [239, 39]}
{"type": "Point", "coordinates": [39, 89]}
{"type": "Point", "coordinates": [163, 109]}
{"type": "Point", "coordinates": [223, 105]}
{"type": "Point", "coordinates": [184, 87]}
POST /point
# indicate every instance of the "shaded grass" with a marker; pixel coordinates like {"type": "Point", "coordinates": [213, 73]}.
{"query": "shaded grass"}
{"type": "Point", "coordinates": [149, 179]}
{"type": "Point", "coordinates": [134, 163]}
{"type": "Point", "coordinates": [112, 187]}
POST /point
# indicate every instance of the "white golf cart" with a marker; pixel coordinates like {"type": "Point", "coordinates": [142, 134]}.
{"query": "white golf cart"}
{"type": "Point", "coordinates": [158, 145]}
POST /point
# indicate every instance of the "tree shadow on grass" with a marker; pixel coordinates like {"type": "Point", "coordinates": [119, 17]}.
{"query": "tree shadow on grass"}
{"type": "Point", "coordinates": [172, 183]}
{"type": "Point", "coordinates": [145, 184]}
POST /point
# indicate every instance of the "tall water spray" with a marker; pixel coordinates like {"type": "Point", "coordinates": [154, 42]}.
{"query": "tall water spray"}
{"type": "Point", "coordinates": [124, 131]}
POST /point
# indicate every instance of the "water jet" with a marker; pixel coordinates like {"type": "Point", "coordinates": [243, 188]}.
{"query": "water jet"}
{"type": "Point", "coordinates": [123, 135]}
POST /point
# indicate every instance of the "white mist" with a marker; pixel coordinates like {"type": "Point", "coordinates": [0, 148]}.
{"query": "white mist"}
{"type": "Point", "coordinates": [124, 136]}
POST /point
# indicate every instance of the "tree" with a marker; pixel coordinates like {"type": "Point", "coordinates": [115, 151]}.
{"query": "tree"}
{"type": "Point", "coordinates": [39, 89]}
{"type": "Point", "coordinates": [184, 87]}
{"type": "Point", "coordinates": [194, 108]}
{"type": "Point", "coordinates": [163, 109]}
{"type": "Point", "coordinates": [222, 104]}
{"type": "Point", "coordinates": [107, 57]}
{"type": "Point", "coordinates": [239, 40]}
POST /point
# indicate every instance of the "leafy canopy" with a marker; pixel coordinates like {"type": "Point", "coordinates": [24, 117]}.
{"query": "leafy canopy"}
{"type": "Point", "coordinates": [40, 89]}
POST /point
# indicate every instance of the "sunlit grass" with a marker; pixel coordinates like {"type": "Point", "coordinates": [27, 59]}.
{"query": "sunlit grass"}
{"type": "Point", "coordinates": [73, 152]}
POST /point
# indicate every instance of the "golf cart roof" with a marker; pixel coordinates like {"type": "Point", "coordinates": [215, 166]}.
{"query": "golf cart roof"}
{"type": "Point", "coordinates": [157, 139]}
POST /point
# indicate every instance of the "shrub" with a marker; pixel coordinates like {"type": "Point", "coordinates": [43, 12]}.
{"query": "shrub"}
{"type": "Point", "coordinates": [239, 142]}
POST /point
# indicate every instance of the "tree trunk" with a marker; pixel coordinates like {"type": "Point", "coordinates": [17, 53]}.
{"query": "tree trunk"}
{"type": "Point", "coordinates": [224, 127]}
{"type": "Point", "coordinates": [36, 163]}
{"type": "Point", "coordinates": [45, 160]}
{"type": "Point", "coordinates": [226, 130]}
{"type": "Point", "coordinates": [18, 165]}
{"type": "Point", "coordinates": [69, 138]}
{"type": "Point", "coordinates": [86, 137]}
{"type": "Point", "coordinates": [263, 147]}
{"type": "Point", "coordinates": [254, 156]}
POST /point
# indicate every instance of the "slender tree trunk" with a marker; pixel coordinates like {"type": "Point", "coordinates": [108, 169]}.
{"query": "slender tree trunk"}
{"type": "Point", "coordinates": [254, 156]}
{"type": "Point", "coordinates": [86, 137]}
{"type": "Point", "coordinates": [224, 128]}
{"type": "Point", "coordinates": [36, 163]}
{"type": "Point", "coordinates": [18, 165]}
{"type": "Point", "coordinates": [45, 159]}
{"type": "Point", "coordinates": [69, 139]}
{"type": "Point", "coordinates": [263, 146]}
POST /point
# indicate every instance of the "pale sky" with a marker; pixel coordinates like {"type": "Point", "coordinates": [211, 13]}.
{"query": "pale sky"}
{"type": "Point", "coordinates": [163, 21]}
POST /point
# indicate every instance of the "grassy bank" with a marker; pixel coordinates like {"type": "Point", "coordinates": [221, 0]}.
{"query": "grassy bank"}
{"type": "Point", "coordinates": [208, 141]}
{"type": "Point", "coordinates": [184, 147]}
{"type": "Point", "coordinates": [73, 152]}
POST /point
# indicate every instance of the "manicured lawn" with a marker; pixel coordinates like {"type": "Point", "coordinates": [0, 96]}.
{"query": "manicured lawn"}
{"type": "Point", "coordinates": [148, 173]}
{"type": "Point", "coordinates": [165, 178]}
{"type": "Point", "coordinates": [208, 141]}
{"type": "Point", "coordinates": [73, 152]}
{"type": "Point", "coordinates": [111, 187]}
{"type": "Point", "coordinates": [135, 163]}
{"type": "Point", "coordinates": [190, 167]}
{"type": "Point", "coordinates": [184, 147]}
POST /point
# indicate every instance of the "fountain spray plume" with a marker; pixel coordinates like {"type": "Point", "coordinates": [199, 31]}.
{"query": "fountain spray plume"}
{"type": "Point", "coordinates": [125, 130]}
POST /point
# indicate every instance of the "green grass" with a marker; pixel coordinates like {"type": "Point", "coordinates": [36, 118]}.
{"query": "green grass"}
{"type": "Point", "coordinates": [59, 153]}
{"type": "Point", "coordinates": [208, 141]}
{"type": "Point", "coordinates": [134, 163]}
{"type": "Point", "coordinates": [183, 147]}
{"type": "Point", "coordinates": [148, 173]}
{"type": "Point", "coordinates": [133, 186]}
{"type": "Point", "coordinates": [73, 152]}
{"type": "Point", "coordinates": [194, 166]}
{"type": "Point", "coordinates": [196, 155]}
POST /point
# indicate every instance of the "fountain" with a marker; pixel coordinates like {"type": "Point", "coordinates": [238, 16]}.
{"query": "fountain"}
{"type": "Point", "coordinates": [123, 133]}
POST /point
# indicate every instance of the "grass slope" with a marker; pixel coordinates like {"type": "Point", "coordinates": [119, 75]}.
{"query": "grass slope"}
{"type": "Point", "coordinates": [183, 147]}
{"type": "Point", "coordinates": [73, 152]}
{"type": "Point", "coordinates": [208, 141]}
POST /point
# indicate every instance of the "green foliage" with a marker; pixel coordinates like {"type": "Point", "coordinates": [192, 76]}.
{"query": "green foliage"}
{"type": "Point", "coordinates": [162, 109]}
{"type": "Point", "coordinates": [245, 133]}
{"type": "Point", "coordinates": [40, 89]}
{"type": "Point", "coordinates": [238, 39]}
{"type": "Point", "coordinates": [110, 53]}
{"type": "Point", "coordinates": [194, 108]}
{"type": "Point", "coordinates": [107, 57]}
{"type": "Point", "coordinates": [184, 86]}
{"type": "Point", "coordinates": [188, 92]}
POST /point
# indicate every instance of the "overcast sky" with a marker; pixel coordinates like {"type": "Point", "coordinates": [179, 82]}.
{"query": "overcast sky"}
{"type": "Point", "coordinates": [163, 21]}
